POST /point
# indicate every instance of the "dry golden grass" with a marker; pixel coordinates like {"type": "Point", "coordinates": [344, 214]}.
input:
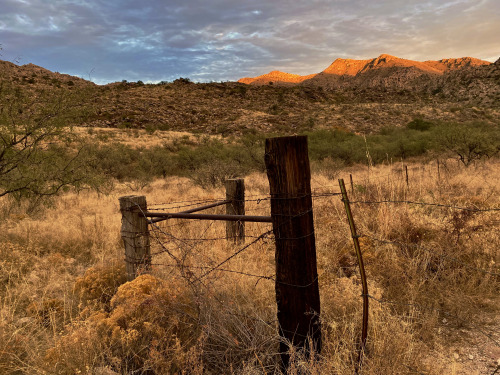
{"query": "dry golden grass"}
{"type": "Point", "coordinates": [135, 138]}
{"type": "Point", "coordinates": [432, 273]}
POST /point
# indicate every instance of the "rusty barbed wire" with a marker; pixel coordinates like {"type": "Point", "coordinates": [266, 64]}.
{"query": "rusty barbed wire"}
{"type": "Point", "coordinates": [427, 204]}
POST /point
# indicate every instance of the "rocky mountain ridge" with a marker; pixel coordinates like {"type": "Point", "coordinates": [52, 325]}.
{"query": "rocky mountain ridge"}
{"type": "Point", "coordinates": [341, 70]}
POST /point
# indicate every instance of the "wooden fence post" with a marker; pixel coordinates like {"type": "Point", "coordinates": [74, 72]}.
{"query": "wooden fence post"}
{"type": "Point", "coordinates": [235, 192]}
{"type": "Point", "coordinates": [352, 184]}
{"type": "Point", "coordinates": [297, 292]}
{"type": "Point", "coordinates": [406, 173]}
{"type": "Point", "coordinates": [135, 235]}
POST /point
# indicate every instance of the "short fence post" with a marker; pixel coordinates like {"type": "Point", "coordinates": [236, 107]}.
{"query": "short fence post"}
{"type": "Point", "coordinates": [135, 235]}
{"type": "Point", "coordinates": [235, 192]}
{"type": "Point", "coordinates": [297, 292]}
{"type": "Point", "coordinates": [406, 172]}
{"type": "Point", "coordinates": [352, 184]}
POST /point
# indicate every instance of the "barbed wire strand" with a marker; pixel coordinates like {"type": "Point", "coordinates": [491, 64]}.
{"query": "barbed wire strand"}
{"type": "Point", "coordinates": [428, 204]}
{"type": "Point", "coordinates": [234, 254]}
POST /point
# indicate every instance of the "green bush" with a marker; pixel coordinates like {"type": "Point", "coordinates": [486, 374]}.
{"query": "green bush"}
{"type": "Point", "coordinates": [419, 124]}
{"type": "Point", "coordinates": [469, 141]}
{"type": "Point", "coordinates": [209, 162]}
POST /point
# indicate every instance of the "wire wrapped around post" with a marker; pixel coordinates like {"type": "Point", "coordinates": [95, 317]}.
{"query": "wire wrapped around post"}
{"type": "Point", "coordinates": [135, 235]}
{"type": "Point", "coordinates": [297, 291]}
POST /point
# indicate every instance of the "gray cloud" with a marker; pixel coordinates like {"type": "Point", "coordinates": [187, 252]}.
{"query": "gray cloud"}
{"type": "Point", "coordinates": [227, 39]}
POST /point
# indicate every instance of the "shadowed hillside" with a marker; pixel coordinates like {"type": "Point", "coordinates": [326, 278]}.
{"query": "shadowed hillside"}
{"type": "Point", "coordinates": [357, 95]}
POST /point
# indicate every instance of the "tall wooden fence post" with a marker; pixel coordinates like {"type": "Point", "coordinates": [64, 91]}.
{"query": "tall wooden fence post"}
{"type": "Point", "coordinates": [235, 192]}
{"type": "Point", "coordinates": [297, 292]}
{"type": "Point", "coordinates": [135, 235]}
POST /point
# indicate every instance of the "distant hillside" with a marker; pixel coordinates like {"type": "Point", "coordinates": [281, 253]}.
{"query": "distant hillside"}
{"type": "Point", "coordinates": [36, 76]}
{"type": "Point", "coordinates": [356, 95]}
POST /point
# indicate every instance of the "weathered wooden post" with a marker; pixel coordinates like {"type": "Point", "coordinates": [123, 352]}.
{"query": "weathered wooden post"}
{"type": "Point", "coordinates": [235, 192]}
{"type": "Point", "coordinates": [297, 292]}
{"type": "Point", "coordinates": [135, 235]}
{"type": "Point", "coordinates": [352, 184]}
{"type": "Point", "coordinates": [406, 172]}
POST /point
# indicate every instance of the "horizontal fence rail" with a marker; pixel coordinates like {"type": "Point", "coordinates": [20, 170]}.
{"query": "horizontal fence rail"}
{"type": "Point", "coordinates": [181, 215]}
{"type": "Point", "coordinates": [197, 209]}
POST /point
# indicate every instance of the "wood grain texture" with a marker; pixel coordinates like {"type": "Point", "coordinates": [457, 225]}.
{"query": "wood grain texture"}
{"type": "Point", "coordinates": [297, 292]}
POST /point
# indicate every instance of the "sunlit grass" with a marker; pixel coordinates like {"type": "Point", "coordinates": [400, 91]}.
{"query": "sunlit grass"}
{"type": "Point", "coordinates": [60, 269]}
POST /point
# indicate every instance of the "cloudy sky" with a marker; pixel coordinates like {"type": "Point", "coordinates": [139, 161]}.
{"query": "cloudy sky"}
{"type": "Point", "coordinates": [214, 40]}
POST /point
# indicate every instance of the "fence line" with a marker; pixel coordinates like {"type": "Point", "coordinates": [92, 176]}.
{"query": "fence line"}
{"type": "Point", "coordinates": [331, 194]}
{"type": "Point", "coordinates": [256, 239]}
{"type": "Point", "coordinates": [234, 254]}
{"type": "Point", "coordinates": [197, 201]}
{"type": "Point", "coordinates": [324, 195]}
{"type": "Point", "coordinates": [428, 204]}
{"type": "Point", "coordinates": [164, 238]}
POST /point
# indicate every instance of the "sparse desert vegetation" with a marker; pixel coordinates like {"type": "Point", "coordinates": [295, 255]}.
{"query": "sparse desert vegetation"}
{"type": "Point", "coordinates": [433, 274]}
{"type": "Point", "coordinates": [71, 148]}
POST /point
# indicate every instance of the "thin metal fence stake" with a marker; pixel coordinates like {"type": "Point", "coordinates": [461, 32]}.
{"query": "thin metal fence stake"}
{"type": "Point", "coordinates": [355, 238]}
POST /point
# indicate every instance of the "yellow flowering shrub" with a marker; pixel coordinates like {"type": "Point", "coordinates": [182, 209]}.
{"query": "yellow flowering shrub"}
{"type": "Point", "coordinates": [98, 285]}
{"type": "Point", "coordinates": [150, 326]}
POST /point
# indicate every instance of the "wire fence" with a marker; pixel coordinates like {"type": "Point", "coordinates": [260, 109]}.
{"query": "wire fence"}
{"type": "Point", "coordinates": [180, 248]}
{"type": "Point", "coordinates": [162, 228]}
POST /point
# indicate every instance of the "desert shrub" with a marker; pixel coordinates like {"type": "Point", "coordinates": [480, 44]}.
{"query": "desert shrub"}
{"type": "Point", "coordinates": [119, 161]}
{"type": "Point", "coordinates": [397, 143]}
{"type": "Point", "coordinates": [419, 124]}
{"type": "Point", "coordinates": [211, 162]}
{"type": "Point", "coordinates": [469, 142]}
{"type": "Point", "coordinates": [335, 144]}
{"type": "Point", "coordinates": [150, 329]}
{"type": "Point", "coordinates": [328, 167]}
{"type": "Point", "coordinates": [38, 156]}
{"type": "Point", "coordinates": [214, 174]}
{"type": "Point", "coordinates": [390, 142]}
{"type": "Point", "coordinates": [182, 81]}
{"type": "Point", "coordinates": [99, 284]}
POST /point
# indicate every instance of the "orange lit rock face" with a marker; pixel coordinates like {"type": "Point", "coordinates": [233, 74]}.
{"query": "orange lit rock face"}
{"type": "Point", "coordinates": [346, 67]}
{"type": "Point", "coordinates": [353, 68]}
{"type": "Point", "coordinates": [275, 76]}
